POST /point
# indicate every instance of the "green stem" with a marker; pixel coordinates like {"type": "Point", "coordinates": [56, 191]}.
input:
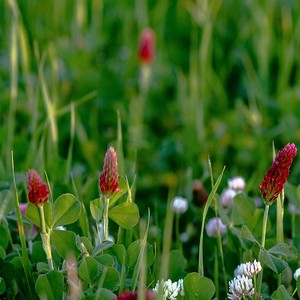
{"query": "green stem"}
{"type": "Point", "coordinates": [263, 241]}
{"type": "Point", "coordinates": [24, 257]}
{"type": "Point", "coordinates": [105, 218]}
{"type": "Point", "coordinates": [98, 232]}
{"type": "Point", "coordinates": [46, 239]}
{"type": "Point", "coordinates": [293, 226]}
{"type": "Point", "coordinates": [178, 242]}
{"type": "Point", "coordinates": [279, 225]}
{"type": "Point", "coordinates": [222, 260]}
{"type": "Point", "coordinates": [216, 272]}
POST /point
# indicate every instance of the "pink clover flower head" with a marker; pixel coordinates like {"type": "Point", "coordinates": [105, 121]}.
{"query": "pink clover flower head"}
{"type": "Point", "coordinates": [37, 189]}
{"type": "Point", "coordinates": [109, 178]}
{"type": "Point", "coordinates": [146, 49]}
{"type": "Point", "coordinates": [227, 197]}
{"type": "Point", "coordinates": [276, 176]}
{"type": "Point", "coordinates": [149, 295]}
{"type": "Point", "coordinates": [214, 225]}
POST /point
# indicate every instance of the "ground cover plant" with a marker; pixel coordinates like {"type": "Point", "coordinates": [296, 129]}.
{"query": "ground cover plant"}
{"type": "Point", "coordinates": [149, 149]}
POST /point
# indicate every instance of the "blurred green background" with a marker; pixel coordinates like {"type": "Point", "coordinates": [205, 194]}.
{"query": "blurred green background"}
{"type": "Point", "coordinates": [224, 84]}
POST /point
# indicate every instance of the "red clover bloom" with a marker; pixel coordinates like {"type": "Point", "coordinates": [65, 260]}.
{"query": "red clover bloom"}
{"type": "Point", "coordinates": [277, 175]}
{"type": "Point", "coordinates": [146, 46]}
{"type": "Point", "coordinates": [149, 295]}
{"type": "Point", "coordinates": [109, 180]}
{"type": "Point", "coordinates": [37, 189]}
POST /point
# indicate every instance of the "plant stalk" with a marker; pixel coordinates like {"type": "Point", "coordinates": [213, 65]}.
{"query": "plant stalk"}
{"type": "Point", "coordinates": [46, 239]}
{"type": "Point", "coordinates": [263, 241]}
{"type": "Point", "coordinates": [105, 218]}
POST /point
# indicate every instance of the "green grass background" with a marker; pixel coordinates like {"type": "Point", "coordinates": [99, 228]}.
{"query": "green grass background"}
{"type": "Point", "coordinates": [224, 85]}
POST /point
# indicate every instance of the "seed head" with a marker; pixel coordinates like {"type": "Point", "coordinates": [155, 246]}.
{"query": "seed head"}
{"type": "Point", "coordinates": [37, 189]}
{"type": "Point", "coordinates": [109, 180]}
{"type": "Point", "coordinates": [146, 46]}
{"type": "Point", "coordinates": [276, 176]}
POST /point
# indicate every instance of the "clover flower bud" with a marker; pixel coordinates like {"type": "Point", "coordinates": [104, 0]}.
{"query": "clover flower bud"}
{"type": "Point", "coordinates": [179, 205]}
{"type": "Point", "coordinates": [297, 274]}
{"type": "Point", "coordinates": [237, 183]}
{"type": "Point", "coordinates": [109, 180]}
{"type": "Point", "coordinates": [146, 49]}
{"type": "Point", "coordinates": [227, 197]}
{"type": "Point", "coordinates": [276, 176]}
{"type": "Point", "coordinates": [240, 287]}
{"type": "Point", "coordinates": [213, 226]}
{"type": "Point", "coordinates": [37, 189]}
{"type": "Point", "coordinates": [249, 269]}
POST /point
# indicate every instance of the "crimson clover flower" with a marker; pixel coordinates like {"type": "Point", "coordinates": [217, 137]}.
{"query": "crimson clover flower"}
{"type": "Point", "coordinates": [149, 295]}
{"type": "Point", "coordinates": [37, 189]}
{"type": "Point", "coordinates": [146, 49]}
{"type": "Point", "coordinates": [276, 176]}
{"type": "Point", "coordinates": [109, 180]}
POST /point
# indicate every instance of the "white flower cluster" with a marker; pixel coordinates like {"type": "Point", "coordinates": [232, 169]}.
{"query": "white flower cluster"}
{"type": "Point", "coordinates": [235, 185]}
{"type": "Point", "coordinates": [214, 225]}
{"type": "Point", "coordinates": [171, 290]}
{"type": "Point", "coordinates": [240, 287]}
{"type": "Point", "coordinates": [248, 269]}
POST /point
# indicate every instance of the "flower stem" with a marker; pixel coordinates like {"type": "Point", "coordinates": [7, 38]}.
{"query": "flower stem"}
{"type": "Point", "coordinates": [264, 228]}
{"type": "Point", "coordinates": [178, 242]}
{"type": "Point", "coordinates": [46, 239]}
{"type": "Point", "coordinates": [24, 254]}
{"type": "Point", "coordinates": [105, 218]}
{"type": "Point", "coordinates": [216, 272]}
{"type": "Point", "coordinates": [279, 224]}
{"type": "Point", "coordinates": [263, 241]}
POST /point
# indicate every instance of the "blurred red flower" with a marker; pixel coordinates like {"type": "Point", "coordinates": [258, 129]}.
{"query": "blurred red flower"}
{"type": "Point", "coordinates": [146, 49]}
{"type": "Point", "coordinates": [150, 295]}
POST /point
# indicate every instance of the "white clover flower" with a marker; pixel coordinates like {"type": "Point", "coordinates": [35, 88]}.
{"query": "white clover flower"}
{"type": "Point", "coordinates": [170, 289]}
{"type": "Point", "coordinates": [180, 284]}
{"type": "Point", "coordinates": [179, 205]}
{"type": "Point", "coordinates": [237, 183]}
{"type": "Point", "coordinates": [240, 287]}
{"type": "Point", "coordinates": [213, 226]}
{"type": "Point", "coordinates": [297, 274]}
{"type": "Point", "coordinates": [248, 269]}
{"type": "Point", "coordinates": [227, 197]}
